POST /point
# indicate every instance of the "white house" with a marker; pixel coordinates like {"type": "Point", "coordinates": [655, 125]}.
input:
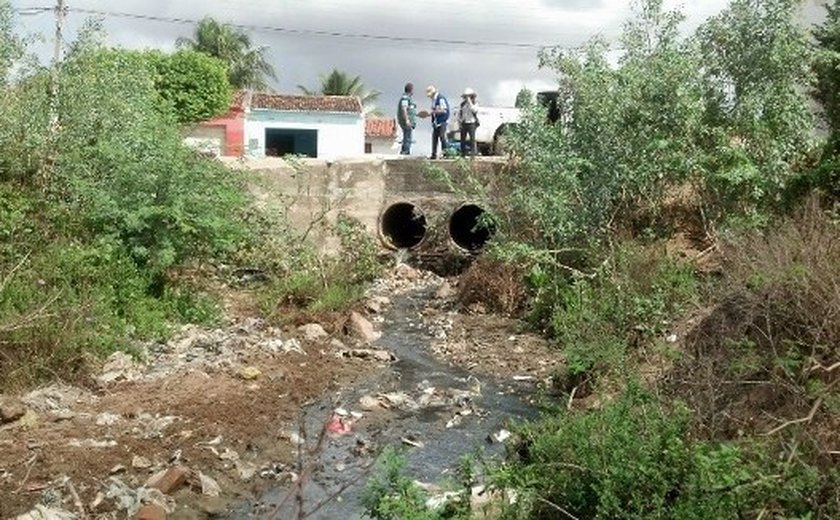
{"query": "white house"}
{"type": "Point", "coordinates": [326, 127]}
{"type": "Point", "coordinates": [381, 136]}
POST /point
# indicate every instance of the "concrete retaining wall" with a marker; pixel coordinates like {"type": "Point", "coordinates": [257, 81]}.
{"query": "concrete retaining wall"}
{"type": "Point", "coordinates": [312, 193]}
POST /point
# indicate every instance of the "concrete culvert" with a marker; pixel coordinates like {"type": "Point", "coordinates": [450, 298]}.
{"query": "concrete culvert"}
{"type": "Point", "coordinates": [402, 225]}
{"type": "Point", "coordinates": [466, 228]}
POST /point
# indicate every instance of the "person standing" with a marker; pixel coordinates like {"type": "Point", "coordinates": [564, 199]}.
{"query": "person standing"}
{"type": "Point", "coordinates": [440, 116]}
{"type": "Point", "coordinates": [407, 118]}
{"type": "Point", "coordinates": [468, 121]}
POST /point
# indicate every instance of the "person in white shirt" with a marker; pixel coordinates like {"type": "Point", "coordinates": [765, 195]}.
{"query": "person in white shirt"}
{"type": "Point", "coordinates": [468, 121]}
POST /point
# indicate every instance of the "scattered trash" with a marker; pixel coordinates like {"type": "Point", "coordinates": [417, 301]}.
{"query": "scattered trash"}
{"type": "Point", "coordinates": [364, 353]}
{"type": "Point", "coordinates": [293, 345]}
{"type": "Point", "coordinates": [91, 443]}
{"type": "Point", "coordinates": [524, 378]}
{"type": "Point", "coordinates": [409, 442]}
{"type": "Point", "coordinates": [672, 338]}
{"type": "Point", "coordinates": [339, 425]}
{"type": "Point", "coordinates": [499, 437]}
{"type": "Point", "coordinates": [119, 468]}
{"type": "Point", "coordinates": [213, 442]}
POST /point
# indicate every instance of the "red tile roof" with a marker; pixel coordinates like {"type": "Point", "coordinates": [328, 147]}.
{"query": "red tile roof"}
{"type": "Point", "coordinates": [295, 103]}
{"type": "Point", "coordinates": [380, 127]}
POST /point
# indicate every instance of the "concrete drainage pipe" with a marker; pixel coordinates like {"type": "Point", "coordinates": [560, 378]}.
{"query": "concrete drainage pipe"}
{"type": "Point", "coordinates": [466, 230]}
{"type": "Point", "coordinates": [402, 226]}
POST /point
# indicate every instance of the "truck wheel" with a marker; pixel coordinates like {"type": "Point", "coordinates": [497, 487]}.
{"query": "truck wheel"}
{"type": "Point", "coordinates": [500, 142]}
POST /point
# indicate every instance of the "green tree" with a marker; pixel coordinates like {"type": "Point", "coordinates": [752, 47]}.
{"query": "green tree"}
{"type": "Point", "coordinates": [523, 97]}
{"type": "Point", "coordinates": [10, 47]}
{"type": "Point", "coordinates": [340, 83]}
{"type": "Point", "coordinates": [248, 66]}
{"type": "Point", "coordinates": [757, 66]}
{"type": "Point", "coordinates": [827, 68]}
{"type": "Point", "coordinates": [194, 84]}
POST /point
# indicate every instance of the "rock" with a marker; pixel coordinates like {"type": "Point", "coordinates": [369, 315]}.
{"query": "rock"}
{"type": "Point", "coordinates": [209, 487]}
{"type": "Point", "coordinates": [361, 328]}
{"type": "Point", "coordinates": [249, 373]}
{"type": "Point", "coordinates": [213, 506]}
{"type": "Point", "coordinates": [312, 332]}
{"type": "Point", "coordinates": [170, 480]}
{"type": "Point", "coordinates": [376, 304]}
{"type": "Point", "coordinates": [151, 512]}
{"type": "Point", "coordinates": [119, 367]}
{"type": "Point", "coordinates": [11, 410]}
{"type": "Point", "coordinates": [369, 403]}
{"type": "Point", "coordinates": [445, 291]}
{"type": "Point", "coordinates": [107, 419]}
{"type": "Point", "coordinates": [42, 512]}
{"type": "Point", "coordinates": [119, 468]}
{"type": "Point", "coordinates": [29, 420]}
{"type": "Point", "coordinates": [246, 470]}
{"type": "Point", "coordinates": [337, 344]}
{"type": "Point", "coordinates": [406, 272]}
{"type": "Point", "coordinates": [139, 462]}
{"type": "Point", "coordinates": [55, 398]}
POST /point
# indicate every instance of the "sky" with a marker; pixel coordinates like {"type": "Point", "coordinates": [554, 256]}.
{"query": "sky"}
{"type": "Point", "coordinates": [488, 45]}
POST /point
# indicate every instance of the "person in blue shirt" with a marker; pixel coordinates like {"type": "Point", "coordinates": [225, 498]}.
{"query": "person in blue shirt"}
{"type": "Point", "coordinates": [440, 116]}
{"type": "Point", "coordinates": [407, 118]}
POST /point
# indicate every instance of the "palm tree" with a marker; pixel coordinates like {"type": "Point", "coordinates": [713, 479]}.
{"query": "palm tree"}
{"type": "Point", "coordinates": [339, 83]}
{"type": "Point", "coordinates": [248, 66]}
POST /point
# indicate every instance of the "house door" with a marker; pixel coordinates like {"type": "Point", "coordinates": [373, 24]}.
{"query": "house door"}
{"type": "Point", "coordinates": [284, 141]}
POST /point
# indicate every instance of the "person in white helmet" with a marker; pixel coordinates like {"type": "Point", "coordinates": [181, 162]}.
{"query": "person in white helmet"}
{"type": "Point", "coordinates": [468, 121]}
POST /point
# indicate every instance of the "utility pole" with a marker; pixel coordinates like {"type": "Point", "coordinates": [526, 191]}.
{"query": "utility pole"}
{"type": "Point", "coordinates": [60, 14]}
{"type": "Point", "coordinates": [49, 157]}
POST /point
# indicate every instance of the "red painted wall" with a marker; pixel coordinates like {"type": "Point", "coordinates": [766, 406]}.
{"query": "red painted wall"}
{"type": "Point", "coordinates": [234, 125]}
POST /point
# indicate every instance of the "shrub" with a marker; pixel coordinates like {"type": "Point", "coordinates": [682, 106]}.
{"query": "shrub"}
{"type": "Point", "coordinates": [600, 321]}
{"type": "Point", "coordinates": [777, 324]}
{"type": "Point", "coordinates": [634, 458]}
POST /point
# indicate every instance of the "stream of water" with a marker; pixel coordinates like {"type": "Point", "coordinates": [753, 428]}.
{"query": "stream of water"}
{"type": "Point", "coordinates": [442, 434]}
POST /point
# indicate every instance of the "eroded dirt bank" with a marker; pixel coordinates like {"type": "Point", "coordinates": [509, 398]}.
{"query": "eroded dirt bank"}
{"type": "Point", "coordinates": [212, 419]}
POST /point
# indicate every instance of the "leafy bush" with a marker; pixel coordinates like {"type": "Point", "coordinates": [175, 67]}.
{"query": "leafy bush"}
{"type": "Point", "coordinates": [634, 458]}
{"type": "Point", "coordinates": [391, 495]}
{"type": "Point", "coordinates": [600, 321]}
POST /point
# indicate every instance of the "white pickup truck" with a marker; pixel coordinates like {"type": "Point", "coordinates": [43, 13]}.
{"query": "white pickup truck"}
{"type": "Point", "coordinates": [496, 122]}
{"type": "Point", "coordinates": [493, 123]}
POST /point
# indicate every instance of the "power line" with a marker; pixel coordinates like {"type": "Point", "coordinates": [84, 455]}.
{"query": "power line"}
{"type": "Point", "coordinates": [304, 32]}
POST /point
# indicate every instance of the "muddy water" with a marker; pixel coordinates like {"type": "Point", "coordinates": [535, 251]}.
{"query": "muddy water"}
{"type": "Point", "coordinates": [445, 434]}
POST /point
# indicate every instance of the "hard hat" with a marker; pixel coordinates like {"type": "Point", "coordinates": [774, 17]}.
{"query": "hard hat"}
{"type": "Point", "coordinates": [468, 92]}
{"type": "Point", "coordinates": [430, 90]}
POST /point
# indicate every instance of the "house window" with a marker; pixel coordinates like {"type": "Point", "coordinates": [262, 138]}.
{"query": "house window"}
{"type": "Point", "coordinates": [288, 141]}
{"type": "Point", "coordinates": [368, 147]}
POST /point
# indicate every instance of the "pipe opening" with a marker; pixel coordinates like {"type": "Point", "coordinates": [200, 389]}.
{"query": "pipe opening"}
{"type": "Point", "coordinates": [467, 229]}
{"type": "Point", "coordinates": [403, 225]}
